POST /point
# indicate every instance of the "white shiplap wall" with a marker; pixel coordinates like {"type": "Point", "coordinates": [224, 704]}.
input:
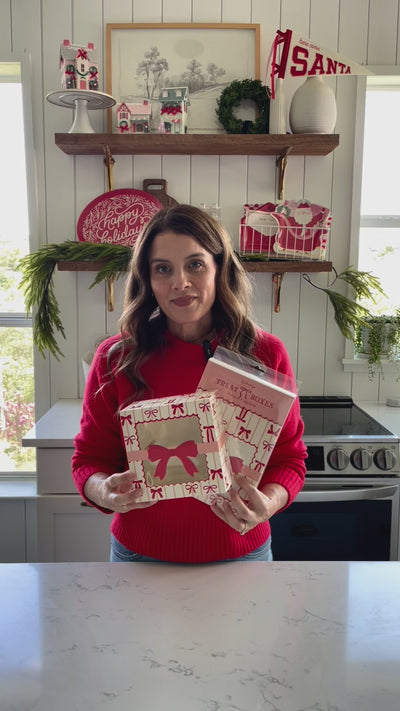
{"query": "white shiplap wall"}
{"type": "Point", "coordinates": [364, 30]}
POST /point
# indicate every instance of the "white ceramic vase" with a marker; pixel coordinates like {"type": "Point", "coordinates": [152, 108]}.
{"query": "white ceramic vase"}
{"type": "Point", "coordinates": [313, 107]}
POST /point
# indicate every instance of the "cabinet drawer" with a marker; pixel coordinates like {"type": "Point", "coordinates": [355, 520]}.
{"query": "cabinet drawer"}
{"type": "Point", "coordinates": [54, 470]}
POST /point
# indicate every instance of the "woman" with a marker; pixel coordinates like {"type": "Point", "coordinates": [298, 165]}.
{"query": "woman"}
{"type": "Point", "coordinates": [186, 292]}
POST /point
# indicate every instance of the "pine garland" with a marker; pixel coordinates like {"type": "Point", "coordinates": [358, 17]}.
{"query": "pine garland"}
{"type": "Point", "coordinates": [233, 95]}
{"type": "Point", "coordinates": [348, 313]}
{"type": "Point", "coordinates": [38, 286]}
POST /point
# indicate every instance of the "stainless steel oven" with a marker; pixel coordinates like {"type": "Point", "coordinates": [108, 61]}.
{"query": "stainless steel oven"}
{"type": "Point", "coordinates": [349, 507]}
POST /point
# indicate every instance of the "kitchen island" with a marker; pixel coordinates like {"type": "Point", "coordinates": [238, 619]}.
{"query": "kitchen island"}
{"type": "Point", "coordinates": [234, 636]}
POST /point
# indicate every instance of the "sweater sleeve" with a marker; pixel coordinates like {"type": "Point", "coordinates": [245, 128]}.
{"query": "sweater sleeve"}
{"type": "Point", "coordinates": [286, 465]}
{"type": "Point", "coordinates": [99, 445]}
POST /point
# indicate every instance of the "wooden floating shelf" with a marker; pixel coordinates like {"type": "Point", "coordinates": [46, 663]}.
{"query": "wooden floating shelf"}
{"type": "Point", "coordinates": [285, 266]}
{"type": "Point", "coordinates": [311, 144]}
{"type": "Point", "coordinates": [273, 266]}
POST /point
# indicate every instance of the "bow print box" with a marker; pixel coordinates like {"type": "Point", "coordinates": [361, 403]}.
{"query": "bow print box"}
{"type": "Point", "coordinates": [175, 446]}
{"type": "Point", "coordinates": [255, 402]}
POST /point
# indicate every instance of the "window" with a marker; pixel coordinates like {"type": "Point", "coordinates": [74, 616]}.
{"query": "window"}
{"type": "Point", "coordinates": [16, 344]}
{"type": "Point", "coordinates": [379, 237]}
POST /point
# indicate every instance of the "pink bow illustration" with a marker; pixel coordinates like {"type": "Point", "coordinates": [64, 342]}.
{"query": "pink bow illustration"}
{"type": "Point", "coordinates": [182, 451]}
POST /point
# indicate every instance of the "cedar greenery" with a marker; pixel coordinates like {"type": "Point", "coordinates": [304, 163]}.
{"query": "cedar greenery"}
{"type": "Point", "coordinates": [38, 286]}
{"type": "Point", "coordinates": [348, 313]}
{"type": "Point", "coordinates": [233, 95]}
{"type": "Point", "coordinates": [113, 260]}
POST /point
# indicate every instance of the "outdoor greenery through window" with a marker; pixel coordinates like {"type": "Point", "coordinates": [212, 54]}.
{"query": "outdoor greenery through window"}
{"type": "Point", "coordinates": [16, 345]}
{"type": "Point", "coordinates": [379, 241]}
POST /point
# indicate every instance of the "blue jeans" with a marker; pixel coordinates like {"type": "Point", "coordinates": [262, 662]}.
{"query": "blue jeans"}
{"type": "Point", "coordinates": [120, 554]}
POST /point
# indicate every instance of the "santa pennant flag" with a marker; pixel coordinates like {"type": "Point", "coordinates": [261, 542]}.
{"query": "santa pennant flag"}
{"type": "Point", "coordinates": [301, 57]}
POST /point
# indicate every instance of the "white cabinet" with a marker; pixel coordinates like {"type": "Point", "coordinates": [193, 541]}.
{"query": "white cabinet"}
{"type": "Point", "coordinates": [67, 529]}
{"type": "Point", "coordinates": [70, 531]}
{"type": "Point", "coordinates": [12, 531]}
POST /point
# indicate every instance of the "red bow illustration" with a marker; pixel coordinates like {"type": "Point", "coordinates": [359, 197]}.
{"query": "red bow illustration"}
{"type": "Point", "coordinates": [177, 408]}
{"type": "Point", "coordinates": [182, 451]}
{"type": "Point", "coordinates": [210, 488]}
{"type": "Point", "coordinates": [156, 492]}
{"type": "Point", "coordinates": [215, 472]}
{"type": "Point", "coordinates": [126, 418]}
{"type": "Point", "coordinates": [82, 54]}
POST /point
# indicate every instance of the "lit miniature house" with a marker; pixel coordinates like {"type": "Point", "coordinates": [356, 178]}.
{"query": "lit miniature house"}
{"type": "Point", "coordinates": [174, 109]}
{"type": "Point", "coordinates": [134, 118]}
{"type": "Point", "coordinates": [79, 69]}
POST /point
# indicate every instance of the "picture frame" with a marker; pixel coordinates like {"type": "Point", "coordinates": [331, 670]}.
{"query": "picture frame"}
{"type": "Point", "coordinates": [142, 58]}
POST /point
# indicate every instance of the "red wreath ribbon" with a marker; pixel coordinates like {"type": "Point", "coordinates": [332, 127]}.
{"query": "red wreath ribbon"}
{"type": "Point", "coordinates": [171, 110]}
{"type": "Point", "coordinates": [123, 128]}
{"type": "Point", "coordinates": [82, 54]}
{"type": "Point", "coordinates": [182, 451]}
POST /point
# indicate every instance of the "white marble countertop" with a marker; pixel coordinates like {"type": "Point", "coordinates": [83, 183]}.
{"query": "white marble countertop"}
{"type": "Point", "coordinates": [58, 427]}
{"type": "Point", "coordinates": [228, 637]}
{"type": "Point", "coordinates": [389, 417]}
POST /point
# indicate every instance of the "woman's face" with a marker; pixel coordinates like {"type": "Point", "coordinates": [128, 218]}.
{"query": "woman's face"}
{"type": "Point", "coordinates": [182, 276]}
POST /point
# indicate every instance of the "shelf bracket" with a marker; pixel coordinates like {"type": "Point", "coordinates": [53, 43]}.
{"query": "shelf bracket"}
{"type": "Point", "coordinates": [277, 282]}
{"type": "Point", "coordinates": [281, 163]}
{"type": "Point", "coordinates": [109, 163]}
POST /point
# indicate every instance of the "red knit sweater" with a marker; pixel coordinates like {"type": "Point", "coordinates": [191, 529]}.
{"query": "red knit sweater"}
{"type": "Point", "coordinates": [179, 530]}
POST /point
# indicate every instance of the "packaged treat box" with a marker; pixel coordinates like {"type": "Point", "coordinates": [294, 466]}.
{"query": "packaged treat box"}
{"type": "Point", "coordinates": [176, 447]}
{"type": "Point", "coordinates": [255, 402]}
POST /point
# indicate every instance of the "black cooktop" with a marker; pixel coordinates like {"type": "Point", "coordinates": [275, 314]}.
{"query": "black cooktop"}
{"type": "Point", "coordinates": [337, 416]}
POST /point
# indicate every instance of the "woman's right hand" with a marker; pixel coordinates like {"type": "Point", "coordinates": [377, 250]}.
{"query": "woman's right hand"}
{"type": "Point", "coordinates": [115, 492]}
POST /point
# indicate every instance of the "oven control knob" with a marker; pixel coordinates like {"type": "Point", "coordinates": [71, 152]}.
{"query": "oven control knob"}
{"type": "Point", "coordinates": [338, 459]}
{"type": "Point", "coordinates": [384, 459]}
{"type": "Point", "coordinates": [361, 459]}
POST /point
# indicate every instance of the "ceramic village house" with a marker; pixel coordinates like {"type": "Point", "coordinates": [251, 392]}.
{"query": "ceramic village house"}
{"type": "Point", "coordinates": [174, 109]}
{"type": "Point", "coordinates": [79, 69]}
{"type": "Point", "coordinates": [133, 118]}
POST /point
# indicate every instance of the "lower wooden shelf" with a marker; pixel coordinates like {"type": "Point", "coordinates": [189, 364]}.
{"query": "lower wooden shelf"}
{"type": "Point", "coordinates": [280, 266]}
{"type": "Point", "coordinates": [275, 267]}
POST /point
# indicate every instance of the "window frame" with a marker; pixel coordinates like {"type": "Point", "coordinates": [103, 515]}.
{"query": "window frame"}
{"type": "Point", "coordinates": [350, 362]}
{"type": "Point", "coordinates": [17, 319]}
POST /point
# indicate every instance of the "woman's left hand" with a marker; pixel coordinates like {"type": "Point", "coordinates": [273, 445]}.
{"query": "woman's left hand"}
{"type": "Point", "coordinates": [253, 506]}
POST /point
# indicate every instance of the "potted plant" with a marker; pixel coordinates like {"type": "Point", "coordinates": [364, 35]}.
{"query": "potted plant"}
{"type": "Point", "coordinates": [379, 338]}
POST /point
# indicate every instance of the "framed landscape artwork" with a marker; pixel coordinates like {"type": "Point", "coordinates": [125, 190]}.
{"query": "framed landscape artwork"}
{"type": "Point", "coordinates": [143, 59]}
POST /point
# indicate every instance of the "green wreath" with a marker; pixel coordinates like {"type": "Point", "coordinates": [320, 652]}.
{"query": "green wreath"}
{"type": "Point", "coordinates": [231, 97]}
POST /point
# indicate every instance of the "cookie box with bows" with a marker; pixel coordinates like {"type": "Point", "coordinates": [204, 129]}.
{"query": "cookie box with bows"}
{"type": "Point", "coordinates": [176, 447]}
{"type": "Point", "coordinates": [255, 401]}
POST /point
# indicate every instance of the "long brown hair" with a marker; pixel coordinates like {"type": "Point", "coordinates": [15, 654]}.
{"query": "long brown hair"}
{"type": "Point", "coordinates": [142, 325]}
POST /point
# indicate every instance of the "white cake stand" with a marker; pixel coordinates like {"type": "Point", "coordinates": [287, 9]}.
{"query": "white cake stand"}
{"type": "Point", "coordinates": [81, 101]}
